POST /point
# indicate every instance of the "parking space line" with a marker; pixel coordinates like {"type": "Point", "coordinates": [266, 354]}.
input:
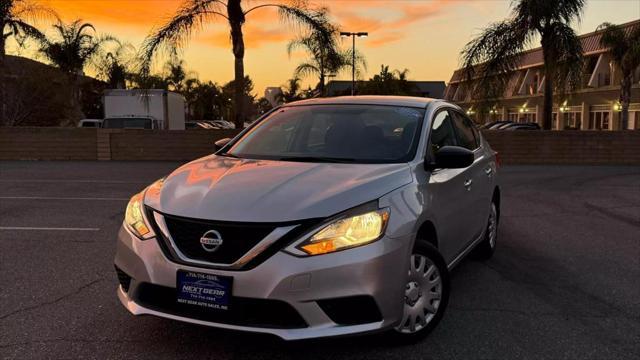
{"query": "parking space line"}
{"type": "Point", "coordinates": [61, 198]}
{"type": "Point", "coordinates": [29, 228]}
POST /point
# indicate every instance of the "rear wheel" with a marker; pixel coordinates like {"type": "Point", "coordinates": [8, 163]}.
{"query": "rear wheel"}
{"type": "Point", "coordinates": [485, 249]}
{"type": "Point", "coordinates": [426, 294]}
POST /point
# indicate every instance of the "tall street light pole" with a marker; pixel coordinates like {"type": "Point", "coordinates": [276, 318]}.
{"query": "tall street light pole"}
{"type": "Point", "coordinates": [353, 55]}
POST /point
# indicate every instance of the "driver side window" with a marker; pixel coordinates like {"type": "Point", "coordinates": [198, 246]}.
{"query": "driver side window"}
{"type": "Point", "coordinates": [442, 131]}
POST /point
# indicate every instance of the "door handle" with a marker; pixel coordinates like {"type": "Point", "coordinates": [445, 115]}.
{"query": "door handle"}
{"type": "Point", "coordinates": [467, 184]}
{"type": "Point", "coordinates": [488, 171]}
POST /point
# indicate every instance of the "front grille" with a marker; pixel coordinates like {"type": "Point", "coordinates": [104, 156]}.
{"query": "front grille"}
{"type": "Point", "coordinates": [123, 279]}
{"type": "Point", "coordinates": [238, 238]}
{"type": "Point", "coordinates": [261, 313]}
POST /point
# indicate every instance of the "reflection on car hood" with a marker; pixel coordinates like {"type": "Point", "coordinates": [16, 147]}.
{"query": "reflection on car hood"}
{"type": "Point", "coordinates": [228, 189]}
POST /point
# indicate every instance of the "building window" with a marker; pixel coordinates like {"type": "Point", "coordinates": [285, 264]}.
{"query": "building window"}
{"type": "Point", "coordinates": [599, 120]}
{"type": "Point", "coordinates": [522, 117]}
{"type": "Point", "coordinates": [634, 120]}
{"type": "Point", "coordinates": [569, 120]}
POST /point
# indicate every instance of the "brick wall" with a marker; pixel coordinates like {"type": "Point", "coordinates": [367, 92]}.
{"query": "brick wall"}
{"type": "Point", "coordinates": [566, 147]}
{"type": "Point", "coordinates": [50, 143]}
{"type": "Point", "coordinates": [515, 147]}
{"type": "Point", "coordinates": [164, 145]}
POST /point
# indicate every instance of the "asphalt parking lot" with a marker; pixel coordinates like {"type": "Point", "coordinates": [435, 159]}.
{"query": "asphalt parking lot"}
{"type": "Point", "coordinates": [564, 281]}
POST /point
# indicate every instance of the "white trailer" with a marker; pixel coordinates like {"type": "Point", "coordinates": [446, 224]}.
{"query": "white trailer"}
{"type": "Point", "coordinates": [164, 108]}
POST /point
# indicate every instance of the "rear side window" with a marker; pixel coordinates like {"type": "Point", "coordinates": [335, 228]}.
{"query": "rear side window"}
{"type": "Point", "coordinates": [442, 133]}
{"type": "Point", "coordinates": [464, 131]}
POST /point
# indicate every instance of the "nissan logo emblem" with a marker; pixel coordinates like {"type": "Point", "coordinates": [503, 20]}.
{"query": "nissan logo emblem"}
{"type": "Point", "coordinates": [211, 241]}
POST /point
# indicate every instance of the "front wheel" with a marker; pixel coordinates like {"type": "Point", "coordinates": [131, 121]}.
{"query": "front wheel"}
{"type": "Point", "coordinates": [485, 249]}
{"type": "Point", "coordinates": [426, 294]}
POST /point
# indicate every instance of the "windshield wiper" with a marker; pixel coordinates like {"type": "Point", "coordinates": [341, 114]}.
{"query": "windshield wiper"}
{"type": "Point", "coordinates": [226, 154]}
{"type": "Point", "coordinates": [317, 159]}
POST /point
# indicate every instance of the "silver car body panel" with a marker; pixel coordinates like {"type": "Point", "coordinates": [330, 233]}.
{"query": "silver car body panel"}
{"type": "Point", "coordinates": [227, 189]}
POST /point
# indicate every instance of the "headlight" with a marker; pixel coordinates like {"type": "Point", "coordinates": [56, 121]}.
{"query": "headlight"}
{"type": "Point", "coordinates": [134, 217]}
{"type": "Point", "coordinates": [346, 233]}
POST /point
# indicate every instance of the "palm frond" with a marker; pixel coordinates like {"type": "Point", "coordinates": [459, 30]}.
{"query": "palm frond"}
{"type": "Point", "coordinates": [536, 14]}
{"type": "Point", "coordinates": [614, 38]}
{"type": "Point", "coordinates": [22, 31]}
{"type": "Point", "coordinates": [190, 17]}
{"type": "Point", "coordinates": [306, 69]}
{"type": "Point", "coordinates": [567, 55]}
{"type": "Point", "coordinates": [489, 58]}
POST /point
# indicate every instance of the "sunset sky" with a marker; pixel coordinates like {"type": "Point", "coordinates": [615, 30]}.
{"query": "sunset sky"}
{"type": "Point", "coordinates": [422, 36]}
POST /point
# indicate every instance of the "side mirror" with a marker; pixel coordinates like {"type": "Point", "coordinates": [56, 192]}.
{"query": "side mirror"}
{"type": "Point", "coordinates": [221, 143]}
{"type": "Point", "coordinates": [452, 157]}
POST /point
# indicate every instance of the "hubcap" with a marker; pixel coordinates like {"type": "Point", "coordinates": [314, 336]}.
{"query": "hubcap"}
{"type": "Point", "coordinates": [422, 294]}
{"type": "Point", "coordinates": [492, 228]}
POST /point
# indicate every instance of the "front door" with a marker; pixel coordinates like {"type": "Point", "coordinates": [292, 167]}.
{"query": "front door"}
{"type": "Point", "coordinates": [449, 191]}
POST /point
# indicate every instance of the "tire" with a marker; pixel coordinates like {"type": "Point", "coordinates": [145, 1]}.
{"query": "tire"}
{"type": "Point", "coordinates": [427, 295]}
{"type": "Point", "coordinates": [485, 249]}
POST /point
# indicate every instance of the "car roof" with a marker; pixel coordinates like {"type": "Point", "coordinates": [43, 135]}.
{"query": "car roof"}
{"type": "Point", "coordinates": [409, 101]}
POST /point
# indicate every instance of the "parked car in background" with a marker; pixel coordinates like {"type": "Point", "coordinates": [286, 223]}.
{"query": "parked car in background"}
{"type": "Point", "coordinates": [166, 108]}
{"type": "Point", "coordinates": [497, 124]}
{"type": "Point", "coordinates": [522, 126]}
{"type": "Point", "coordinates": [203, 125]}
{"type": "Point", "coordinates": [90, 123]}
{"type": "Point", "coordinates": [131, 122]}
{"type": "Point", "coordinates": [320, 219]}
{"type": "Point", "coordinates": [492, 123]}
{"type": "Point", "coordinates": [502, 125]}
{"type": "Point", "coordinates": [221, 124]}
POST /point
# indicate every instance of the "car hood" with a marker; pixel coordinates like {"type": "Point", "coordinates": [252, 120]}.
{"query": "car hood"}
{"type": "Point", "coordinates": [229, 189]}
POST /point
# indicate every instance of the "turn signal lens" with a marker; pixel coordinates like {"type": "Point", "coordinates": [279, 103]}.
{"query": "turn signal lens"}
{"type": "Point", "coordinates": [347, 233]}
{"type": "Point", "coordinates": [134, 217]}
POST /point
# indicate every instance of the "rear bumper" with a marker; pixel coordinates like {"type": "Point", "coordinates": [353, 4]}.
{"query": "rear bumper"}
{"type": "Point", "coordinates": [376, 271]}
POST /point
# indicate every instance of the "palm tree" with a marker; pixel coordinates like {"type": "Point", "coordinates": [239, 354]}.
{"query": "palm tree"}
{"type": "Point", "coordinates": [15, 18]}
{"type": "Point", "coordinates": [325, 57]}
{"type": "Point", "coordinates": [496, 52]}
{"type": "Point", "coordinates": [387, 82]}
{"type": "Point", "coordinates": [176, 74]}
{"type": "Point", "coordinates": [624, 48]}
{"type": "Point", "coordinates": [291, 92]}
{"type": "Point", "coordinates": [194, 13]}
{"type": "Point", "coordinates": [116, 66]}
{"type": "Point", "coordinates": [75, 46]}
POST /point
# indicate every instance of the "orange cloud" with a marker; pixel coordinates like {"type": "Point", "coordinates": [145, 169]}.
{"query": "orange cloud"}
{"type": "Point", "coordinates": [255, 36]}
{"type": "Point", "coordinates": [384, 17]}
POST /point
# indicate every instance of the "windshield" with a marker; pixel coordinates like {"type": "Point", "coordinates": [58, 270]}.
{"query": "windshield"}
{"type": "Point", "coordinates": [127, 123]}
{"type": "Point", "coordinates": [334, 133]}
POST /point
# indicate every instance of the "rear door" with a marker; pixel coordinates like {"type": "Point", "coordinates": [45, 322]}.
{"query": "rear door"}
{"type": "Point", "coordinates": [478, 178]}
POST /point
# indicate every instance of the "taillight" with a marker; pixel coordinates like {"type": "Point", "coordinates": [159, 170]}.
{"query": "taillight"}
{"type": "Point", "coordinates": [497, 156]}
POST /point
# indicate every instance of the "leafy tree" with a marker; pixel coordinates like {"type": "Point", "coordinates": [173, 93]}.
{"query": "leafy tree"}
{"type": "Point", "coordinates": [263, 105]}
{"type": "Point", "coordinates": [116, 66]}
{"type": "Point", "coordinates": [496, 52]}
{"type": "Point", "coordinates": [291, 92]}
{"type": "Point", "coordinates": [15, 22]}
{"type": "Point", "coordinates": [176, 74]}
{"type": "Point", "coordinates": [204, 100]}
{"type": "Point", "coordinates": [388, 83]}
{"type": "Point", "coordinates": [624, 48]}
{"type": "Point", "coordinates": [193, 14]}
{"type": "Point", "coordinates": [74, 46]}
{"type": "Point", "coordinates": [325, 58]}
{"type": "Point", "coordinates": [230, 101]}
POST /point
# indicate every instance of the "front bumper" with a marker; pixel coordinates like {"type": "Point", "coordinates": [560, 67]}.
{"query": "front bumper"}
{"type": "Point", "coordinates": [377, 270]}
